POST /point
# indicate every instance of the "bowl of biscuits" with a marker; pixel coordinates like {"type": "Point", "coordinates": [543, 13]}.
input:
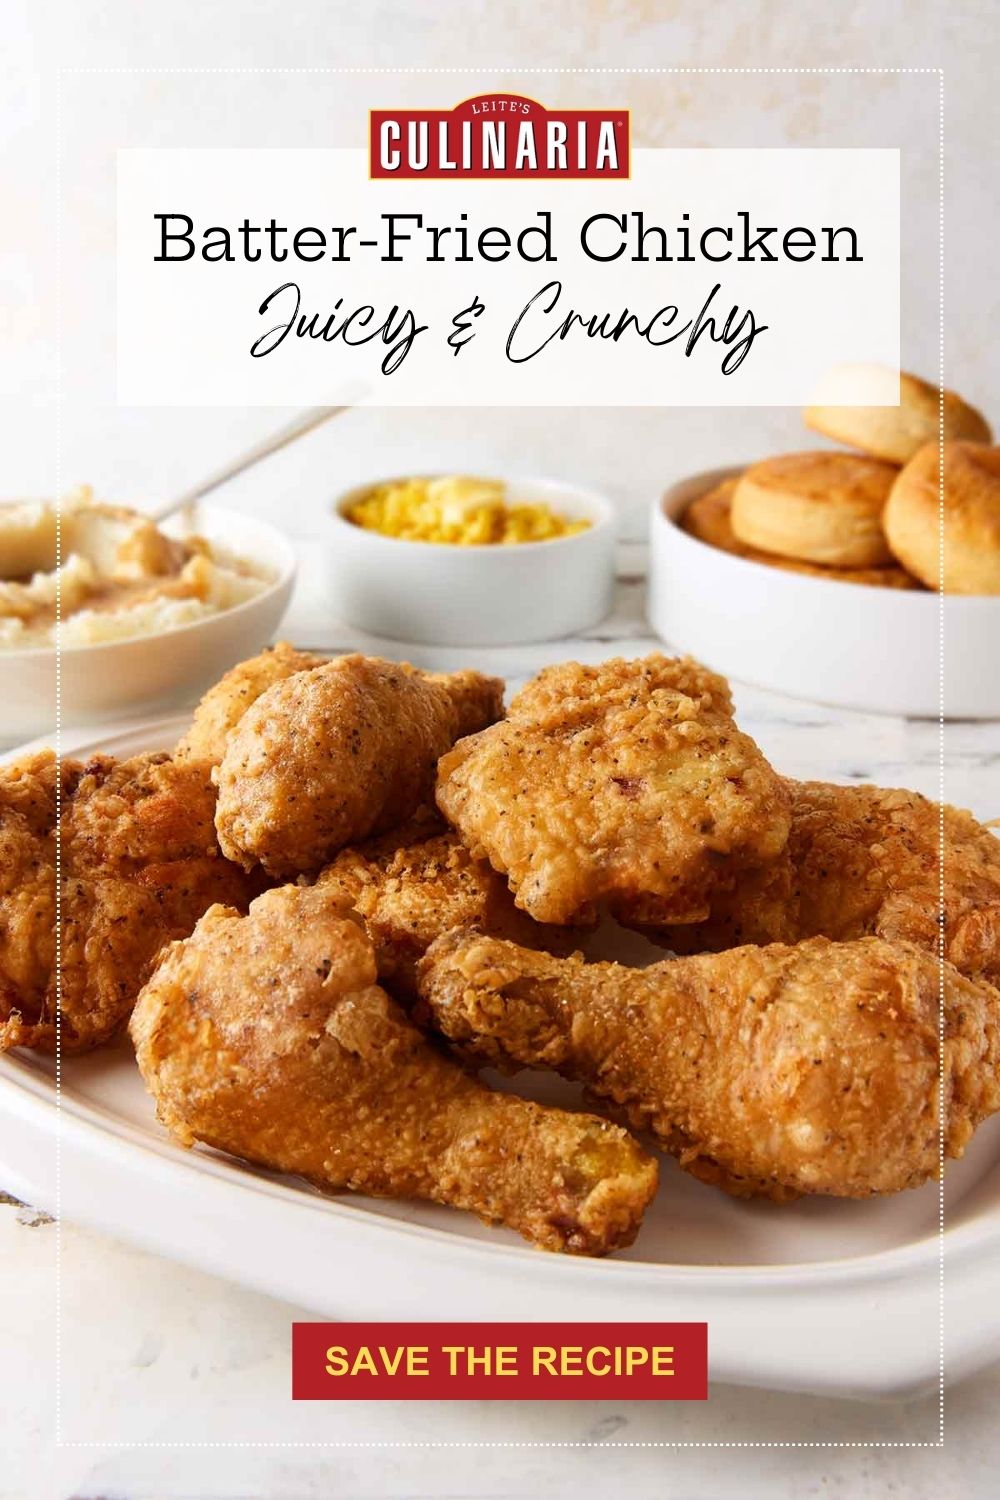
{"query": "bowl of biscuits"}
{"type": "Point", "coordinates": [867, 577]}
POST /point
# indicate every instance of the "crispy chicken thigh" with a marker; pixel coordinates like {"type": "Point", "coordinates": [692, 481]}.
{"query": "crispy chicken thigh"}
{"type": "Point", "coordinates": [227, 700]}
{"type": "Point", "coordinates": [268, 1037]}
{"type": "Point", "coordinates": [626, 783]}
{"type": "Point", "coordinates": [333, 755]}
{"type": "Point", "coordinates": [139, 863]}
{"type": "Point", "coordinates": [776, 1070]}
{"type": "Point", "coordinates": [414, 884]}
{"type": "Point", "coordinates": [864, 860]}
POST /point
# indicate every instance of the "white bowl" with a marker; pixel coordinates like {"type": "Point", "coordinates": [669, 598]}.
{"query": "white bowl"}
{"type": "Point", "coordinates": [476, 596]}
{"type": "Point", "coordinates": [151, 672]}
{"type": "Point", "coordinates": [874, 649]}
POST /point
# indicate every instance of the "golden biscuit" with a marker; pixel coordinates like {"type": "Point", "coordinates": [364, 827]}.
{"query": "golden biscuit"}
{"type": "Point", "coordinates": [708, 520]}
{"type": "Point", "coordinates": [896, 433]}
{"type": "Point", "coordinates": [817, 507]}
{"type": "Point", "coordinates": [969, 562]}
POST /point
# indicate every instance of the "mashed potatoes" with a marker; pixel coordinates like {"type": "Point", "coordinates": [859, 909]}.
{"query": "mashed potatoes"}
{"type": "Point", "coordinates": [460, 511]}
{"type": "Point", "coordinates": [118, 576]}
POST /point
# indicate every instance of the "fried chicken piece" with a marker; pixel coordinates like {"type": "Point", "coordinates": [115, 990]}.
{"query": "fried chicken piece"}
{"type": "Point", "coordinates": [413, 884]}
{"type": "Point", "coordinates": [626, 783]}
{"type": "Point", "coordinates": [268, 1037]}
{"type": "Point", "coordinates": [225, 703]}
{"type": "Point", "coordinates": [139, 864]}
{"type": "Point", "coordinates": [865, 860]}
{"type": "Point", "coordinates": [332, 755]}
{"type": "Point", "coordinates": [777, 1070]}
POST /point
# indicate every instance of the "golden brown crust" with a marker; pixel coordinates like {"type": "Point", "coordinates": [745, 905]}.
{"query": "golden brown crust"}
{"type": "Point", "coordinates": [969, 562]}
{"type": "Point", "coordinates": [896, 433]}
{"type": "Point", "coordinates": [331, 756]}
{"type": "Point", "coordinates": [140, 863]}
{"type": "Point", "coordinates": [268, 1037]}
{"type": "Point", "coordinates": [708, 519]}
{"type": "Point", "coordinates": [623, 783]}
{"type": "Point", "coordinates": [816, 507]}
{"type": "Point", "coordinates": [777, 1070]}
{"type": "Point", "coordinates": [865, 860]}
{"type": "Point", "coordinates": [414, 884]}
{"type": "Point", "coordinates": [477, 700]}
{"type": "Point", "coordinates": [227, 700]}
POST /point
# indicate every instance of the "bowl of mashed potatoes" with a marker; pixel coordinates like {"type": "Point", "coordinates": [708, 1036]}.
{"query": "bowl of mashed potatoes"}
{"type": "Point", "coordinates": [144, 614]}
{"type": "Point", "coordinates": [459, 560]}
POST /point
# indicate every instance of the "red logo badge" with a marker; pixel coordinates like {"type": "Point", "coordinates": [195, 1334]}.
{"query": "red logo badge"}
{"type": "Point", "coordinates": [499, 135]}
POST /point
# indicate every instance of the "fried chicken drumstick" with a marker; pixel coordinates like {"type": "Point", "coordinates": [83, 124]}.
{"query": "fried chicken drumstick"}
{"type": "Point", "coordinates": [332, 755]}
{"type": "Point", "coordinates": [140, 863]}
{"type": "Point", "coordinates": [864, 860]}
{"type": "Point", "coordinates": [777, 1070]}
{"type": "Point", "coordinates": [626, 783]}
{"type": "Point", "coordinates": [268, 1037]}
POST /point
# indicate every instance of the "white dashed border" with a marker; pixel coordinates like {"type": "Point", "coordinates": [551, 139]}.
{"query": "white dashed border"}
{"type": "Point", "coordinates": [519, 69]}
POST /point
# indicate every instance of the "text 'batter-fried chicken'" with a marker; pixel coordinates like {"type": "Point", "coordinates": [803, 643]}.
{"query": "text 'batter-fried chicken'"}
{"type": "Point", "coordinates": [335, 754]}
{"type": "Point", "coordinates": [268, 1037]}
{"type": "Point", "coordinates": [626, 784]}
{"type": "Point", "coordinates": [140, 864]}
{"type": "Point", "coordinates": [776, 1070]}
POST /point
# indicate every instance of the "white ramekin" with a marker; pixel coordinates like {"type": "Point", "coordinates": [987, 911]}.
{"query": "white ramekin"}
{"type": "Point", "coordinates": [873, 649]}
{"type": "Point", "coordinates": [476, 596]}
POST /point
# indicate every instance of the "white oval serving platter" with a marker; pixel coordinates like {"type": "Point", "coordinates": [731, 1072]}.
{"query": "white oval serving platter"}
{"type": "Point", "coordinates": [822, 1295]}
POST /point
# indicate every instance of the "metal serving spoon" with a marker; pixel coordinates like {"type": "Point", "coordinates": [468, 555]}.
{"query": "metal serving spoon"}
{"type": "Point", "coordinates": [304, 422]}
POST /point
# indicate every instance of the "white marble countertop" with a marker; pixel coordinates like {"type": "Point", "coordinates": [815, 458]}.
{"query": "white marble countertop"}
{"type": "Point", "coordinates": [149, 1347]}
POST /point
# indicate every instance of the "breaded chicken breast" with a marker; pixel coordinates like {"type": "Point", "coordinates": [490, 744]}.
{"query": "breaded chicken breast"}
{"type": "Point", "coordinates": [626, 784]}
